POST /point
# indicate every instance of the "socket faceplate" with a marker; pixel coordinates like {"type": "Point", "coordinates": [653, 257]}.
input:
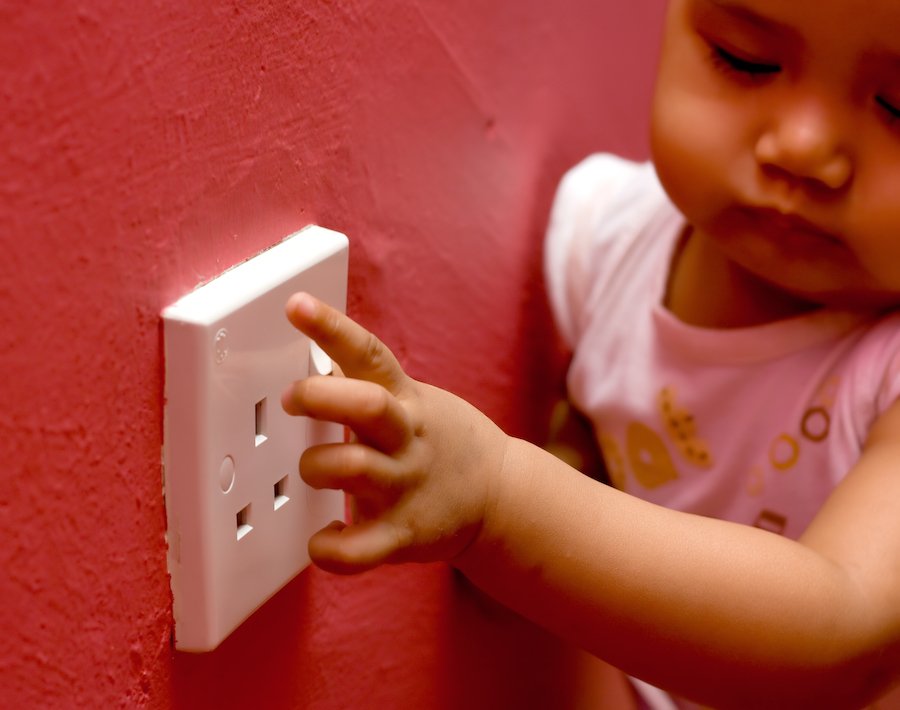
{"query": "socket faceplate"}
{"type": "Point", "coordinates": [239, 516]}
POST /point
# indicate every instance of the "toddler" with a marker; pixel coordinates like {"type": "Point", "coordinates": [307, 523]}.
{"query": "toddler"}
{"type": "Point", "coordinates": [730, 310]}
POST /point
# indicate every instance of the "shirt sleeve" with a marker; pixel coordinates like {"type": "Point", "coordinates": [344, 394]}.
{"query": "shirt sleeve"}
{"type": "Point", "coordinates": [585, 202]}
{"type": "Point", "coordinates": [889, 387]}
{"type": "Point", "coordinates": [875, 375]}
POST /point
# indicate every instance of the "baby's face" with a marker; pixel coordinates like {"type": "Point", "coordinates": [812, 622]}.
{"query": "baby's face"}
{"type": "Point", "coordinates": [776, 131]}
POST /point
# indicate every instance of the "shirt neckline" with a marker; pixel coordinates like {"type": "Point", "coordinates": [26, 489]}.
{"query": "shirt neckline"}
{"type": "Point", "coordinates": [745, 344]}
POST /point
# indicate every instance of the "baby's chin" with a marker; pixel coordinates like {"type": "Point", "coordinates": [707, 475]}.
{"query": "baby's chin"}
{"type": "Point", "coordinates": [864, 300]}
{"type": "Point", "coordinates": [840, 286]}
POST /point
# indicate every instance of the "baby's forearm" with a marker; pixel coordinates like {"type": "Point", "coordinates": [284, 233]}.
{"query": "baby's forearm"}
{"type": "Point", "coordinates": [724, 613]}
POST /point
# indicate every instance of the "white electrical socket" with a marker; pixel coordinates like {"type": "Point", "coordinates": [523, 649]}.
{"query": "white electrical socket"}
{"type": "Point", "coordinates": [239, 516]}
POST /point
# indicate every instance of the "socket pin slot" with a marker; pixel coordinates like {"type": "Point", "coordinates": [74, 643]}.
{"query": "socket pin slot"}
{"type": "Point", "coordinates": [243, 522]}
{"type": "Point", "coordinates": [281, 493]}
{"type": "Point", "coordinates": [261, 421]}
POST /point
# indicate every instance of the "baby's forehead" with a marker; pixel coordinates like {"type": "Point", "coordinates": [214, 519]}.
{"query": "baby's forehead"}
{"type": "Point", "coordinates": [853, 26]}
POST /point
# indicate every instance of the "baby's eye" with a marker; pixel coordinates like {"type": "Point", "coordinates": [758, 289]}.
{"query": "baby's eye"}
{"type": "Point", "coordinates": [749, 67]}
{"type": "Point", "coordinates": [891, 110]}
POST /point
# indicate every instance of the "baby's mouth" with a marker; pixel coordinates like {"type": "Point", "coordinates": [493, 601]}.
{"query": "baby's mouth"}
{"type": "Point", "coordinates": [788, 223]}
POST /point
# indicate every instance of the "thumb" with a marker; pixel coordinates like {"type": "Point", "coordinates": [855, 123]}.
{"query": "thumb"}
{"type": "Point", "coordinates": [349, 549]}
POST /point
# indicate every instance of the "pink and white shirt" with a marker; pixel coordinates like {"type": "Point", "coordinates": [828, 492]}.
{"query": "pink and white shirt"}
{"type": "Point", "coordinates": [755, 425]}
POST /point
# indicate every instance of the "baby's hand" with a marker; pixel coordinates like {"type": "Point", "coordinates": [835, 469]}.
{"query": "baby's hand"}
{"type": "Point", "coordinates": [422, 463]}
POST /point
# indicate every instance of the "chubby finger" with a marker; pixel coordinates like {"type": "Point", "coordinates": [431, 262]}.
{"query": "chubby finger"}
{"type": "Point", "coordinates": [374, 414]}
{"type": "Point", "coordinates": [359, 470]}
{"type": "Point", "coordinates": [359, 353]}
{"type": "Point", "coordinates": [348, 549]}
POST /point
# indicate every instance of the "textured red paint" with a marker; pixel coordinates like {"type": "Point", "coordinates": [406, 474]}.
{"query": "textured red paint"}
{"type": "Point", "coordinates": [146, 147]}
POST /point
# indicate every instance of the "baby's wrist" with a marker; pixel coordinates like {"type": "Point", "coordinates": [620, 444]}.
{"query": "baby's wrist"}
{"type": "Point", "coordinates": [499, 475]}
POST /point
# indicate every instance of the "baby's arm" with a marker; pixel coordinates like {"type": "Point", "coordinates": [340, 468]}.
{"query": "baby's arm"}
{"type": "Point", "coordinates": [726, 614]}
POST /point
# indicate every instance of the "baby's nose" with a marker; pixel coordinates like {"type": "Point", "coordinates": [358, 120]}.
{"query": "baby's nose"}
{"type": "Point", "coordinates": [806, 142]}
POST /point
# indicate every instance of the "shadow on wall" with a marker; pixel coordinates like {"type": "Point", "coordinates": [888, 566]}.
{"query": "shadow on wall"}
{"type": "Point", "coordinates": [149, 146]}
{"type": "Point", "coordinates": [474, 657]}
{"type": "Point", "coordinates": [253, 667]}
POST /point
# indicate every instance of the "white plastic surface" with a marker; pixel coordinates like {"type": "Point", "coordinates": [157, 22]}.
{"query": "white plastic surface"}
{"type": "Point", "coordinates": [239, 516]}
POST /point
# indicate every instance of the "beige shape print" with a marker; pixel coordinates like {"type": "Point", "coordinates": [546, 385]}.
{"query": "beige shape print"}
{"type": "Point", "coordinates": [784, 452]}
{"type": "Point", "coordinates": [612, 456]}
{"type": "Point", "coordinates": [681, 426]}
{"type": "Point", "coordinates": [648, 456]}
{"type": "Point", "coordinates": [756, 481]}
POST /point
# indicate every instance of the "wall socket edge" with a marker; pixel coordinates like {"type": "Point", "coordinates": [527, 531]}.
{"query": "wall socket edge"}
{"type": "Point", "coordinates": [238, 514]}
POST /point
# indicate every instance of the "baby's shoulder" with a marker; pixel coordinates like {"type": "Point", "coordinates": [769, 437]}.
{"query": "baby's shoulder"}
{"type": "Point", "coordinates": [881, 336]}
{"type": "Point", "coordinates": [606, 232]}
{"type": "Point", "coordinates": [605, 202]}
{"type": "Point", "coordinates": [604, 182]}
{"type": "Point", "coordinates": [873, 365]}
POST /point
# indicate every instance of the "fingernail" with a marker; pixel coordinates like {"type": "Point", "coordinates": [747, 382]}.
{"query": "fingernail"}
{"type": "Point", "coordinates": [304, 304]}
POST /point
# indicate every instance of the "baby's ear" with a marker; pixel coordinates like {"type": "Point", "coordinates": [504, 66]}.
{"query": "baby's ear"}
{"type": "Point", "coordinates": [570, 438]}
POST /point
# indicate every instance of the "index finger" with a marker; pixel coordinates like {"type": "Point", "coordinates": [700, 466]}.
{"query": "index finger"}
{"type": "Point", "coordinates": [359, 353]}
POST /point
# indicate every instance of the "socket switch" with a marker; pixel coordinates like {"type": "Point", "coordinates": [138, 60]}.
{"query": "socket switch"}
{"type": "Point", "coordinates": [238, 514]}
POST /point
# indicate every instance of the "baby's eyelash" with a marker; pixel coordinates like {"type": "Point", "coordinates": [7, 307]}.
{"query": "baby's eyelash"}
{"type": "Point", "coordinates": [729, 62]}
{"type": "Point", "coordinates": [892, 112]}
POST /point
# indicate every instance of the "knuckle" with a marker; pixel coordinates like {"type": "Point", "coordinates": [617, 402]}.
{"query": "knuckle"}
{"type": "Point", "coordinates": [372, 350]}
{"type": "Point", "coordinates": [402, 542]}
{"type": "Point", "coordinates": [331, 324]}
{"type": "Point", "coordinates": [403, 537]}
{"type": "Point", "coordinates": [353, 464]}
{"type": "Point", "coordinates": [377, 404]}
{"type": "Point", "coordinates": [352, 556]}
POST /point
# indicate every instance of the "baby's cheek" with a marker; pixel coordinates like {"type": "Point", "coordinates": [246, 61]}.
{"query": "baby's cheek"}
{"type": "Point", "coordinates": [872, 220]}
{"type": "Point", "coordinates": [693, 166]}
{"type": "Point", "coordinates": [883, 258]}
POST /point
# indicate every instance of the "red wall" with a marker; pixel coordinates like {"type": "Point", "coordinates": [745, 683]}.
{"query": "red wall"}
{"type": "Point", "coordinates": [147, 146]}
